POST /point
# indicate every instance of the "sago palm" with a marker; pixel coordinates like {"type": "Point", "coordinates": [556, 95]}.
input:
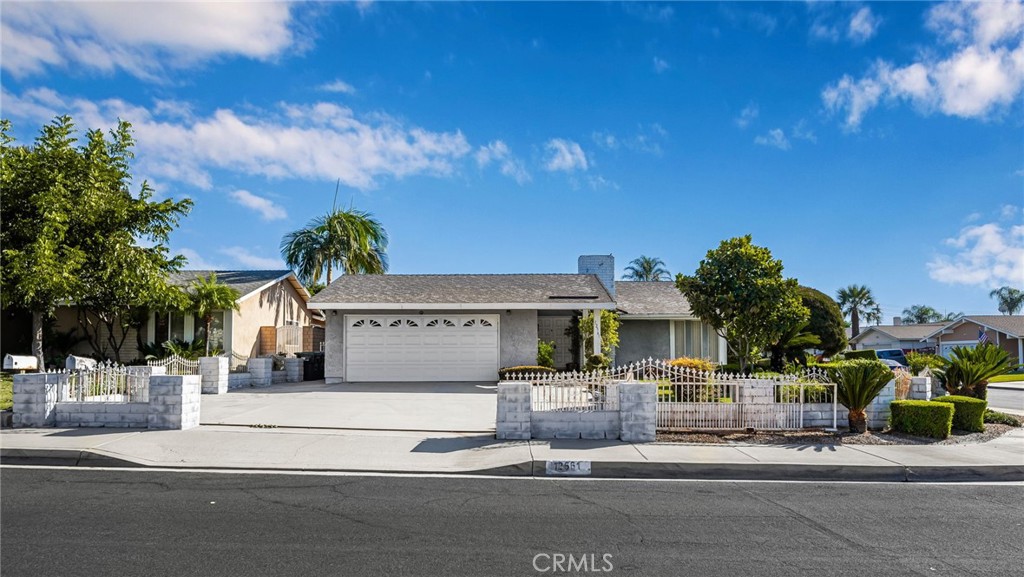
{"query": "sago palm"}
{"type": "Point", "coordinates": [856, 301]}
{"type": "Point", "coordinates": [968, 371]}
{"type": "Point", "coordinates": [858, 382]}
{"type": "Point", "coordinates": [646, 268]}
{"type": "Point", "coordinates": [352, 240]}
{"type": "Point", "coordinates": [208, 296]}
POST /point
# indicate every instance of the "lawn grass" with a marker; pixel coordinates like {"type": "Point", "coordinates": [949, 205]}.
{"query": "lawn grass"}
{"type": "Point", "coordinates": [6, 391]}
{"type": "Point", "coordinates": [1008, 378]}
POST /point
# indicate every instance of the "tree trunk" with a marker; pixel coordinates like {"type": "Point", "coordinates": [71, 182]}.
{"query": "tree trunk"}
{"type": "Point", "coordinates": [854, 324]}
{"type": "Point", "coordinates": [37, 340]}
{"type": "Point", "coordinates": [329, 269]}
{"type": "Point", "coordinates": [208, 322]}
{"type": "Point", "coordinates": [858, 421]}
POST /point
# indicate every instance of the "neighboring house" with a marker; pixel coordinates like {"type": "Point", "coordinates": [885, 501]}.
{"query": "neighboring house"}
{"type": "Point", "coordinates": [465, 327]}
{"type": "Point", "coordinates": [273, 316]}
{"type": "Point", "coordinates": [897, 336]}
{"type": "Point", "coordinates": [1004, 331]}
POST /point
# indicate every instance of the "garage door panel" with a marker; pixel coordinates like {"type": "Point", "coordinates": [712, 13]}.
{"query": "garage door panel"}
{"type": "Point", "coordinates": [440, 347]}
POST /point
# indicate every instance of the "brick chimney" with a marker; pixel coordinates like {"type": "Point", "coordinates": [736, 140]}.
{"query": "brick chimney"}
{"type": "Point", "coordinates": [603, 265]}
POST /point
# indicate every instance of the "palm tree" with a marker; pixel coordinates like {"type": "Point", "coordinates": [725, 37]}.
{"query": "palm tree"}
{"type": "Point", "coordinates": [969, 370]}
{"type": "Point", "coordinates": [351, 240]}
{"type": "Point", "coordinates": [1010, 299]}
{"type": "Point", "coordinates": [856, 301]}
{"type": "Point", "coordinates": [646, 268]}
{"type": "Point", "coordinates": [857, 384]}
{"type": "Point", "coordinates": [208, 296]}
{"type": "Point", "coordinates": [921, 314]}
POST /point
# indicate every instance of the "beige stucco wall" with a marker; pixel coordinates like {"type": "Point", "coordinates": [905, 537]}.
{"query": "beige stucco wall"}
{"type": "Point", "coordinates": [268, 308]}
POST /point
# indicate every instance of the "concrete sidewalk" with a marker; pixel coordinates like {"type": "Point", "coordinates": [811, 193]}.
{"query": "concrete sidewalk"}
{"type": "Point", "coordinates": [409, 452]}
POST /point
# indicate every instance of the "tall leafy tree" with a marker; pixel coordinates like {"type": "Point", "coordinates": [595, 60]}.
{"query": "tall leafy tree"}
{"type": "Point", "coordinates": [351, 240]}
{"type": "Point", "coordinates": [824, 330]}
{"type": "Point", "coordinates": [739, 290]}
{"type": "Point", "coordinates": [72, 232]}
{"type": "Point", "coordinates": [208, 296]}
{"type": "Point", "coordinates": [856, 301]}
{"type": "Point", "coordinates": [1010, 300]}
{"type": "Point", "coordinates": [646, 268]}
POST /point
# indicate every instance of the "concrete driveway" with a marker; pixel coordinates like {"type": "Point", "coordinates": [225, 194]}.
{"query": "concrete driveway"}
{"type": "Point", "coordinates": [449, 407]}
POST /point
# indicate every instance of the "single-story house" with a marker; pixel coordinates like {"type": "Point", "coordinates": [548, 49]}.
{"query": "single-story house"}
{"type": "Point", "coordinates": [424, 327]}
{"type": "Point", "coordinates": [1004, 331]}
{"type": "Point", "coordinates": [272, 316]}
{"type": "Point", "coordinates": [897, 336]}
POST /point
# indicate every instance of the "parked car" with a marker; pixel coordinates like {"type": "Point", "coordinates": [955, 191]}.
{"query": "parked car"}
{"type": "Point", "coordinates": [893, 365]}
{"type": "Point", "coordinates": [893, 355]}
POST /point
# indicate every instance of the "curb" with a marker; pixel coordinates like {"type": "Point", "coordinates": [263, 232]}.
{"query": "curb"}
{"type": "Point", "coordinates": [603, 469]}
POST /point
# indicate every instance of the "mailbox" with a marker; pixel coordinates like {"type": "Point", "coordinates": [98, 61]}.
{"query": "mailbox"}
{"type": "Point", "coordinates": [73, 363]}
{"type": "Point", "coordinates": [20, 363]}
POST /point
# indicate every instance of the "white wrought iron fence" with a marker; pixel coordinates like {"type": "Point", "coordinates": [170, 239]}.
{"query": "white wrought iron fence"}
{"type": "Point", "coordinates": [107, 383]}
{"type": "Point", "coordinates": [690, 398]}
{"type": "Point", "coordinates": [176, 365]}
{"type": "Point", "coordinates": [237, 363]}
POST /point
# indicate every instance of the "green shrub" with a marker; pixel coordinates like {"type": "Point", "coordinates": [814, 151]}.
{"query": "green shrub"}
{"type": "Point", "coordinates": [920, 361]}
{"type": "Point", "coordinates": [523, 370]}
{"type": "Point", "coordinates": [869, 354]}
{"type": "Point", "coordinates": [693, 363]}
{"type": "Point", "coordinates": [998, 418]}
{"type": "Point", "coordinates": [969, 413]}
{"type": "Point", "coordinates": [597, 362]}
{"type": "Point", "coordinates": [546, 354]}
{"type": "Point", "coordinates": [922, 418]}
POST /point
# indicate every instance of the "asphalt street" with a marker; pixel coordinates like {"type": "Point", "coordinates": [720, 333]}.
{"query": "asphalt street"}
{"type": "Point", "coordinates": [1006, 398]}
{"type": "Point", "coordinates": [97, 523]}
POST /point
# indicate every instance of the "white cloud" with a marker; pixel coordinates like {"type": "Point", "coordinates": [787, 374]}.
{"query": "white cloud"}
{"type": "Point", "coordinates": [319, 141]}
{"type": "Point", "coordinates": [197, 262]}
{"type": "Point", "coordinates": [863, 25]}
{"type": "Point", "coordinates": [268, 209]}
{"type": "Point", "coordinates": [749, 114]}
{"type": "Point", "coordinates": [775, 137]}
{"type": "Point", "coordinates": [142, 38]}
{"type": "Point", "coordinates": [660, 65]}
{"type": "Point", "coordinates": [980, 75]}
{"type": "Point", "coordinates": [648, 139]}
{"type": "Point", "coordinates": [659, 13]}
{"type": "Point", "coordinates": [250, 260]}
{"type": "Point", "coordinates": [802, 132]}
{"type": "Point", "coordinates": [1009, 211]}
{"type": "Point", "coordinates": [564, 155]}
{"type": "Point", "coordinates": [509, 165]}
{"type": "Point", "coordinates": [598, 182]}
{"type": "Point", "coordinates": [987, 255]}
{"type": "Point", "coordinates": [339, 86]}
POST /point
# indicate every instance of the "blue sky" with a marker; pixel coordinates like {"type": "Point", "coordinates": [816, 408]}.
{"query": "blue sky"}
{"type": "Point", "coordinates": [869, 143]}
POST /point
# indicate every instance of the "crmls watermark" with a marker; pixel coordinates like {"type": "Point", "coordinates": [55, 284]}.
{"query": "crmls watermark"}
{"type": "Point", "coordinates": [562, 563]}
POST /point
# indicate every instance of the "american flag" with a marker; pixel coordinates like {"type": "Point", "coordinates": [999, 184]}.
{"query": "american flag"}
{"type": "Point", "coordinates": [982, 337]}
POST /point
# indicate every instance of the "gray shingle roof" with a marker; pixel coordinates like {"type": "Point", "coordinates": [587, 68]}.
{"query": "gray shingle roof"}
{"type": "Point", "coordinates": [244, 281]}
{"type": "Point", "coordinates": [1009, 324]}
{"type": "Point", "coordinates": [463, 288]}
{"type": "Point", "coordinates": [651, 298]}
{"type": "Point", "coordinates": [902, 332]}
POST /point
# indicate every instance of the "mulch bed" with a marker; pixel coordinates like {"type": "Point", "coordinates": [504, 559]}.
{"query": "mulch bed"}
{"type": "Point", "coordinates": [825, 438]}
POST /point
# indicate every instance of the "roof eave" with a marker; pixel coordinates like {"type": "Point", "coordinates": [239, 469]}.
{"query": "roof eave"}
{"type": "Point", "coordinates": [465, 306]}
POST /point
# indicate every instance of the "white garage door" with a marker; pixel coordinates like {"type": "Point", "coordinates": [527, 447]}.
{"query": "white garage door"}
{"type": "Point", "coordinates": [421, 348]}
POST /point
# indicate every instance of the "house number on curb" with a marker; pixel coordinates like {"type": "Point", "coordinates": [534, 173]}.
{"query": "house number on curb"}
{"type": "Point", "coordinates": [568, 468]}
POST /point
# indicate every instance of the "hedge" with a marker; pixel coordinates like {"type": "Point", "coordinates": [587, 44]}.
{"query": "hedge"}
{"type": "Point", "coordinates": [969, 413]}
{"type": "Point", "coordinates": [923, 418]}
{"type": "Point", "coordinates": [693, 363]}
{"type": "Point", "coordinates": [523, 370]}
{"type": "Point", "coordinates": [869, 354]}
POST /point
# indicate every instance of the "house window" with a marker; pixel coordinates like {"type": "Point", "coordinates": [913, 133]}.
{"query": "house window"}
{"type": "Point", "coordinates": [216, 330]}
{"type": "Point", "coordinates": [169, 326]}
{"type": "Point", "coordinates": [695, 339]}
